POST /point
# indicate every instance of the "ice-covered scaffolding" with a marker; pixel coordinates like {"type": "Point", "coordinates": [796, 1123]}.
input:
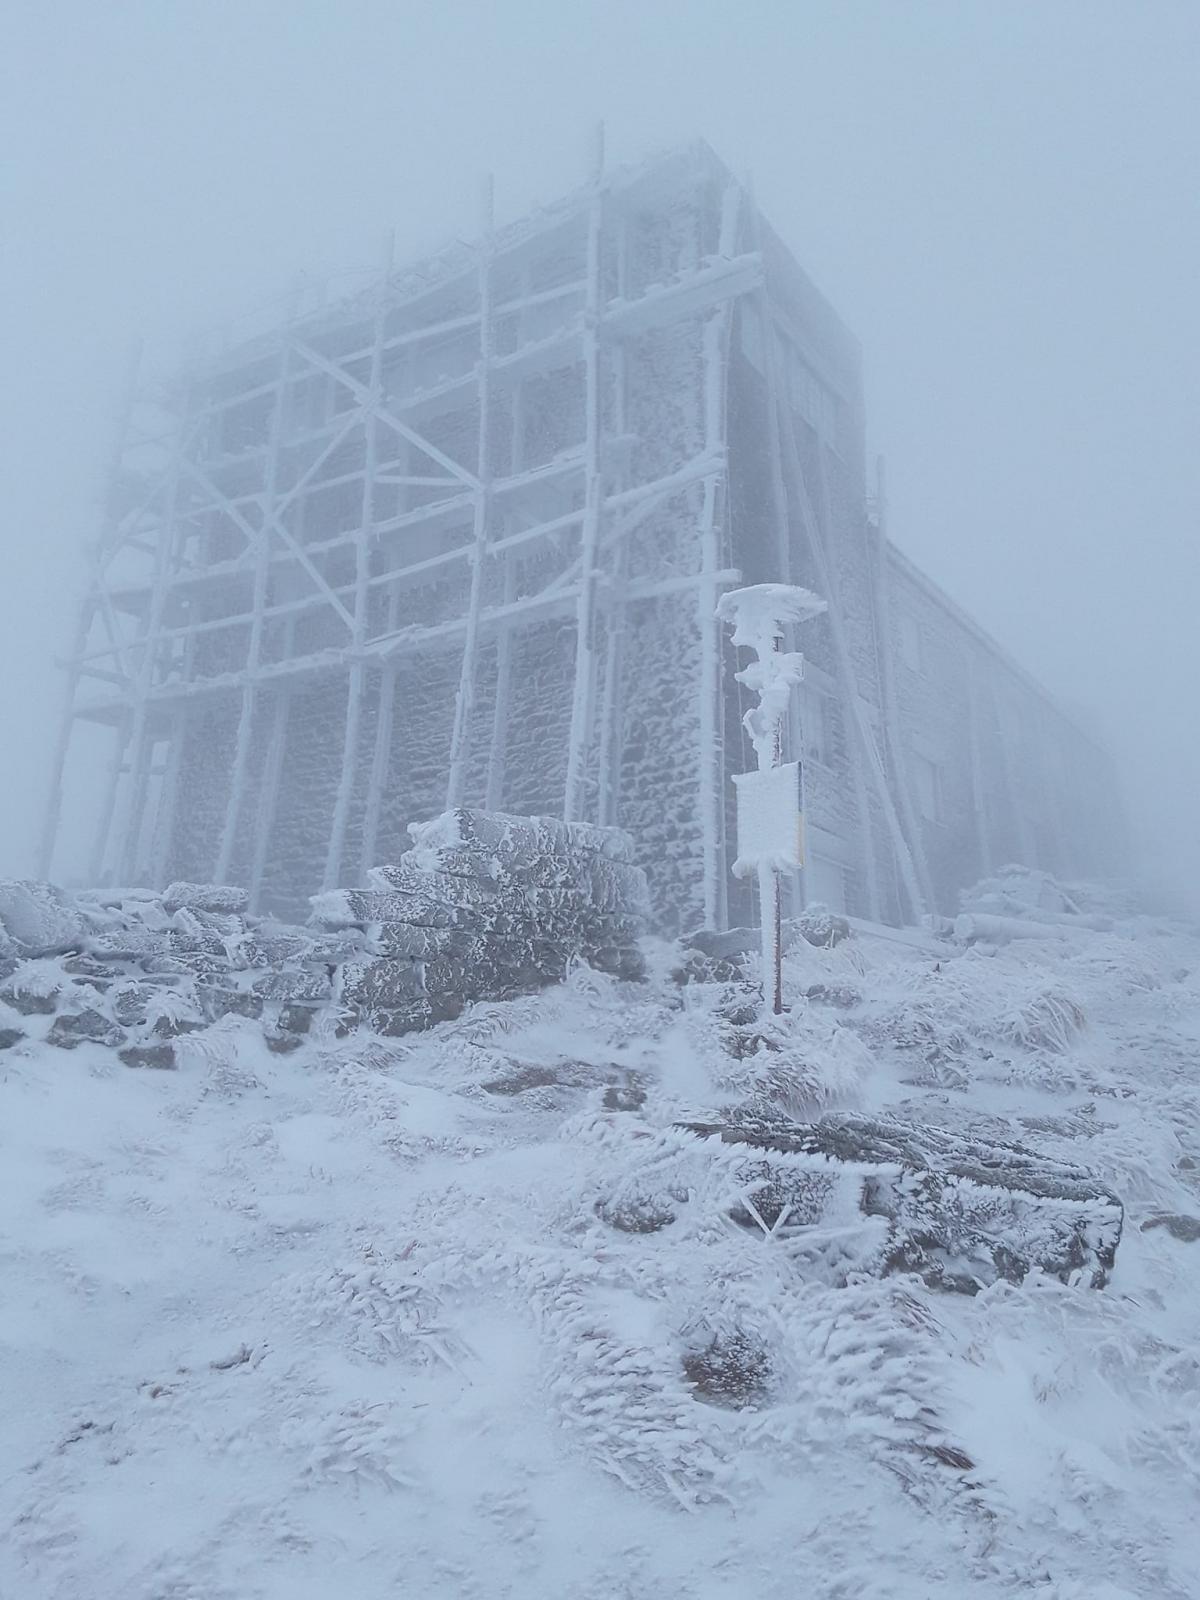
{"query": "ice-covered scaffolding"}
{"type": "Point", "coordinates": [460, 538]}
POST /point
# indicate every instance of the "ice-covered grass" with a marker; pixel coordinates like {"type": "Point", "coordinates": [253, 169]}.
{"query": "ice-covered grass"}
{"type": "Point", "coordinates": [466, 1315]}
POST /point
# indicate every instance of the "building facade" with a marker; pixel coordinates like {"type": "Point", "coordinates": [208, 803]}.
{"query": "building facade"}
{"type": "Point", "coordinates": [460, 539]}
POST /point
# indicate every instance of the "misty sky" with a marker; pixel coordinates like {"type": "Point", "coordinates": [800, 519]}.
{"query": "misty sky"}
{"type": "Point", "coordinates": [1000, 199]}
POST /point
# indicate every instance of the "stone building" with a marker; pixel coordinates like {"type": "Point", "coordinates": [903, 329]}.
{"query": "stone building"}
{"type": "Point", "coordinates": [459, 538]}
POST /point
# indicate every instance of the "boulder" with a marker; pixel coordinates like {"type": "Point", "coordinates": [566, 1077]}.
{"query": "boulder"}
{"type": "Point", "coordinates": [1184, 1228]}
{"type": "Point", "coordinates": [381, 985]}
{"type": "Point", "coordinates": [223, 898]}
{"type": "Point", "coordinates": [38, 919]}
{"type": "Point", "coordinates": [88, 1026]}
{"type": "Point", "coordinates": [160, 1057]}
{"type": "Point", "coordinates": [311, 985]}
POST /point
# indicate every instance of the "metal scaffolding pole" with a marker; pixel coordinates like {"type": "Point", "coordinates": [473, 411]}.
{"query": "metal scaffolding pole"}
{"type": "Point", "coordinates": [108, 807]}
{"type": "Point", "coordinates": [583, 697]}
{"type": "Point", "coordinates": [381, 756]}
{"type": "Point", "coordinates": [493, 797]}
{"type": "Point", "coordinates": [138, 769]}
{"type": "Point", "coordinates": [465, 698]}
{"type": "Point", "coordinates": [711, 798]}
{"type": "Point", "coordinates": [362, 575]}
{"type": "Point", "coordinates": [87, 611]}
{"type": "Point", "coordinates": [261, 543]}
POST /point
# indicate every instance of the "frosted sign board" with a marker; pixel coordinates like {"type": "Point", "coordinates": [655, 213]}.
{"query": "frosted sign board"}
{"type": "Point", "coordinates": [770, 819]}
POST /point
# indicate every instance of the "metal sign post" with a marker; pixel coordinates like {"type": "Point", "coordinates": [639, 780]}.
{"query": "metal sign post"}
{"type": "Point", "coordinates": [769, 801]}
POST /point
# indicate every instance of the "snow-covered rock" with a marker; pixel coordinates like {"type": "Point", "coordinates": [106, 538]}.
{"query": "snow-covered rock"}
{"type": "Point", "coordinates": [38, 919]}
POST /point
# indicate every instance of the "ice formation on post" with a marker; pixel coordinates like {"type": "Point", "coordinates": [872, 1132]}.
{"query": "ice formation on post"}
{"type": "Point", "coordinates": [770, 801]}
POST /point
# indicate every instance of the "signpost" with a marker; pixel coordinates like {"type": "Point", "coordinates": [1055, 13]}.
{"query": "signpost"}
{"type": "Point", "coordinates": [770, 802]}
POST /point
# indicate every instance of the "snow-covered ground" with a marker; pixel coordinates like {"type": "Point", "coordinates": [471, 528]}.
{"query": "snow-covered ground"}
{"type": "Point", "coordinates": [356, 1322]}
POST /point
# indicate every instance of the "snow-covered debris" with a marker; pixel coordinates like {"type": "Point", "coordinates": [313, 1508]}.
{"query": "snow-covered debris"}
{"type": "Point", "coordinates": [963, 1211]}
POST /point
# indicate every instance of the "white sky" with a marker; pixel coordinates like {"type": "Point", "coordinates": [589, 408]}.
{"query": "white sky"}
{"type": "Point", "coordinates": [1000, 199]}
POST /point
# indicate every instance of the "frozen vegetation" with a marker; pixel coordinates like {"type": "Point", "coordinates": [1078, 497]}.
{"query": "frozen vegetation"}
{"type": "Point", "coordinates": [541, 1302]}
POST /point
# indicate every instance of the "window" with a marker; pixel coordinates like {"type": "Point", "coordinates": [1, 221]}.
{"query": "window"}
{"type": "Point", "coordinates": [927, 785]}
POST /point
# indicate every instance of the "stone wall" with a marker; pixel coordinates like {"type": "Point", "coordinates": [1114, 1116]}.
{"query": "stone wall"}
{"type": "Point", "coordinates": [483, 906]}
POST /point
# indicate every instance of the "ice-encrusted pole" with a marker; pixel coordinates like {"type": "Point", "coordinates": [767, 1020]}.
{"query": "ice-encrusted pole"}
{"type": "Point", "coordinates": [759, 616]}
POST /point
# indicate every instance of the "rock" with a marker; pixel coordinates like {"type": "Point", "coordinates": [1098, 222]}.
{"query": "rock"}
{"type": "Point", "coordinates": [627, 1096]}
{"type": "Point", "coordinates": [1184, 1228]}
{"type": "Point", "coordinates": [223, 898]}
{"type": "Point", "coordinates": [733, 946]}
{"type": "Point", "coordinates": [190, 935]}
{"type": "Point", "coordinates": [359, 908]}
{"type": "Point", "coordinates": [393, 1022]}
{"type": "Point", "coordinates": [295, 1018]}
{"type": "Point", "coordinates": [782, 1196]}
{"type": "Point", "coordinates": [38, 918]}
{"type": "Point", "coordinates": [291, 984]}
{"type": "Point", "coordinates": [388, 984]}
{"type": "Point", "coordinates": [820, 926]}
{"type": "Point", "coordinates": [640, 1214]}
{"type": "Point", "coordinates": [88, 1026]}
{"type": "Point", "coordinates": [962, 1212]}
{"type": "Point", "coordinates": [131, 1004]}
{"type": "Point", "coordinates": [696, 967]}
{"type": "Point", "coordinates": [518, 840]}
{"type": "Point", "coordinates": [282, 1044]}
{"type": "Point", "coordinates": [217, 1001]}
{"type": "Point", "coordinates": [30, 1002]}
{"type": "Point", "coordinates": [625, 962]}
{"type": "Point", "coordinates": [134, 943]}
{"type": "Point", "coordinates": [732, 1370]}
{"type": "Point", "coordinates": [160, 1057]}
{"type": "Point", "coordinates": [10, 1037]}
{"type": "Point", "coordinates": [424, 944]}
{"type": "Point", "coordinates": [839, 995]}
{"type": "Point", "coordinates": [522, 1078]}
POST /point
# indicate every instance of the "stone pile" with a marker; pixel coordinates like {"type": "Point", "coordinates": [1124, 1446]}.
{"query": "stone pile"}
{"type": "Point", "coordinates": [485, 906]}
{"type": "Point", "coordinates": [134, 970]}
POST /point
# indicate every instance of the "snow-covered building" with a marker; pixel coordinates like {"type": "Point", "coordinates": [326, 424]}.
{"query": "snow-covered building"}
{"type": "Point", "coordinates": [460, 537]}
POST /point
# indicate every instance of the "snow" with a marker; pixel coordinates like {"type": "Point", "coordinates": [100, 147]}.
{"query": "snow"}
{"type": "Point", "coordinates": [353, 1321]}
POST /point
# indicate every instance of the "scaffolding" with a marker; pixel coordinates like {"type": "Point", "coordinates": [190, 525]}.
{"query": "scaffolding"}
{"type": "Point", "coordinates": [460, 538]}
{"type": "Point", "coordinates": [218, 542]}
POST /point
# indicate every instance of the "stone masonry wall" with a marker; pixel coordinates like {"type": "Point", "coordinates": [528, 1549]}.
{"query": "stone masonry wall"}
{"type": "Point", "coordinates": [483, 906]}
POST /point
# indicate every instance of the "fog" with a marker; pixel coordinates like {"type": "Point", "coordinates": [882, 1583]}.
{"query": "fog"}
{"type": "Point", "coordinates": [1000, 201]}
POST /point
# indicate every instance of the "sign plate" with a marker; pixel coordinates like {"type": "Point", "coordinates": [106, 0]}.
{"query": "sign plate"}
{"type": "Point", "coordinates": [770, 819]}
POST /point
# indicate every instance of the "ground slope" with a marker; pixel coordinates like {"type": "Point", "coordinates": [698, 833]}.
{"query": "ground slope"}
{"type": "Point", "coordinates": [416, 1318]}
